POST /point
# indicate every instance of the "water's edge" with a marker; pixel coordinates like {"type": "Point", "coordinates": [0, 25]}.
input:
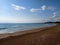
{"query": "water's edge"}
{"type": "Point", "coordinates": [12, 27]}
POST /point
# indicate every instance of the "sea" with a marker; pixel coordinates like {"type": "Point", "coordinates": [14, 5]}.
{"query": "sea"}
{"type": "Point", "coordinates": [15, 27]}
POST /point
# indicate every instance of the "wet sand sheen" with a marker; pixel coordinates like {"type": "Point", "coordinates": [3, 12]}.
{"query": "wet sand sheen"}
{"type": "Point", "coordinates": [40, 36]}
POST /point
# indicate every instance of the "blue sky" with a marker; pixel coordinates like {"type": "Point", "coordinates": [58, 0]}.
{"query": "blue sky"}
{"type": "Point", "coordinates": [29, 11]}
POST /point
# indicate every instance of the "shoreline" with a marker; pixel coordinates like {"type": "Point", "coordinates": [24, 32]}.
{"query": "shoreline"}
{"type": "Point", "coordinates": [28, 36]}
{"type": "Point", "coordinates": [12, 29]}
{"type": "Point", "coordinates": [5, 35]}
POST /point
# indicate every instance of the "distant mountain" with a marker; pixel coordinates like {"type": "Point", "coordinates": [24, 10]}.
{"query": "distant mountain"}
{"type": "Point", "coordinates": [53, 22]}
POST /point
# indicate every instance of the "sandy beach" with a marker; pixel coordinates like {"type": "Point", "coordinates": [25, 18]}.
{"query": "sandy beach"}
{"type": "Point", "coordinates": [39, 36]}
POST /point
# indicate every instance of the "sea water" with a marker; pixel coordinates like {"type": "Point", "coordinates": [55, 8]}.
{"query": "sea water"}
{"type": "Point", "coordinates": [13, 27]}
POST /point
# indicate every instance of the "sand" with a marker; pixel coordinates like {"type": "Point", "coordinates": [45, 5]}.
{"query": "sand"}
{"type": "Point", "coordinates": [39, 36]}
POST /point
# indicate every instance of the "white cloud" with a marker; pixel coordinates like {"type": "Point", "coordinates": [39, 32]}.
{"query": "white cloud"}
{"type": "Point", "coordinates": [34, 10]}
{"type": "Point", "coordinates": [38, 9]}
{"type": "Point", "coordinates": [17, 7]}
{"type": "Point", "coordinates": [51, 8]}
{"type": "Point", "coordinates": [43, 7]}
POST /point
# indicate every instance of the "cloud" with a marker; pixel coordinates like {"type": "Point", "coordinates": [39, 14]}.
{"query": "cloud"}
{"type": "Point", "coordinates": [43, 7]}
{"type": "Point", "coordinates": [51, 8]}
{"type": "Point", "coordinates": [54, 14]}
{"type": "Point", "coordinates": [17, 7]}
{"type": "Point", "coordinates": [34, 10]}
{"type": "Point", "coordinates": [38, 9]}
{"type": "Point", "coordinates": [55, 17]}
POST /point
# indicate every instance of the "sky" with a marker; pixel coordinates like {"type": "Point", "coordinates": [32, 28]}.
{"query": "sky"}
{"type": "Point", "coordinates": [29, 11]}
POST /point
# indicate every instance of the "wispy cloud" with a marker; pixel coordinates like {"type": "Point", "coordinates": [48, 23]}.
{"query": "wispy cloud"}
{"type": "Point", "coordinates": [17, 7]}
{"type": "Point", "coordinates": [51, 8]}
{"type": "Point", "coordinates": [55, 17]}
{"type": "Point", "coordinates": [34, 10]}
{"type": "Point", "coordinates": [42, 8]}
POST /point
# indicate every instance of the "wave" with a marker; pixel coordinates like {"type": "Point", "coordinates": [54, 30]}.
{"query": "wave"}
{"type": "Point", "coordinates": [3, 28]}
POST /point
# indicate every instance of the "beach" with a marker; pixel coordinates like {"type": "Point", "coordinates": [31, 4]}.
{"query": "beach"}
{"type": "Point", "coordinates": [39, 36]}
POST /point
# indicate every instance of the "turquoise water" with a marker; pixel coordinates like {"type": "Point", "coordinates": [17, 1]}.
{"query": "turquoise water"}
{"type": "Point", "coordinates": [13, 27]}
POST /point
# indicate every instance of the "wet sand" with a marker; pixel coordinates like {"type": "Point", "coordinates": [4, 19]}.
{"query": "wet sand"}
{"type": "Point", "coordinates": [39, 36]}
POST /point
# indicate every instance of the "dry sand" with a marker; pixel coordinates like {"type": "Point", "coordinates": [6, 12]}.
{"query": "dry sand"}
{"type": "Point", "coordinates": [40, 36]}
